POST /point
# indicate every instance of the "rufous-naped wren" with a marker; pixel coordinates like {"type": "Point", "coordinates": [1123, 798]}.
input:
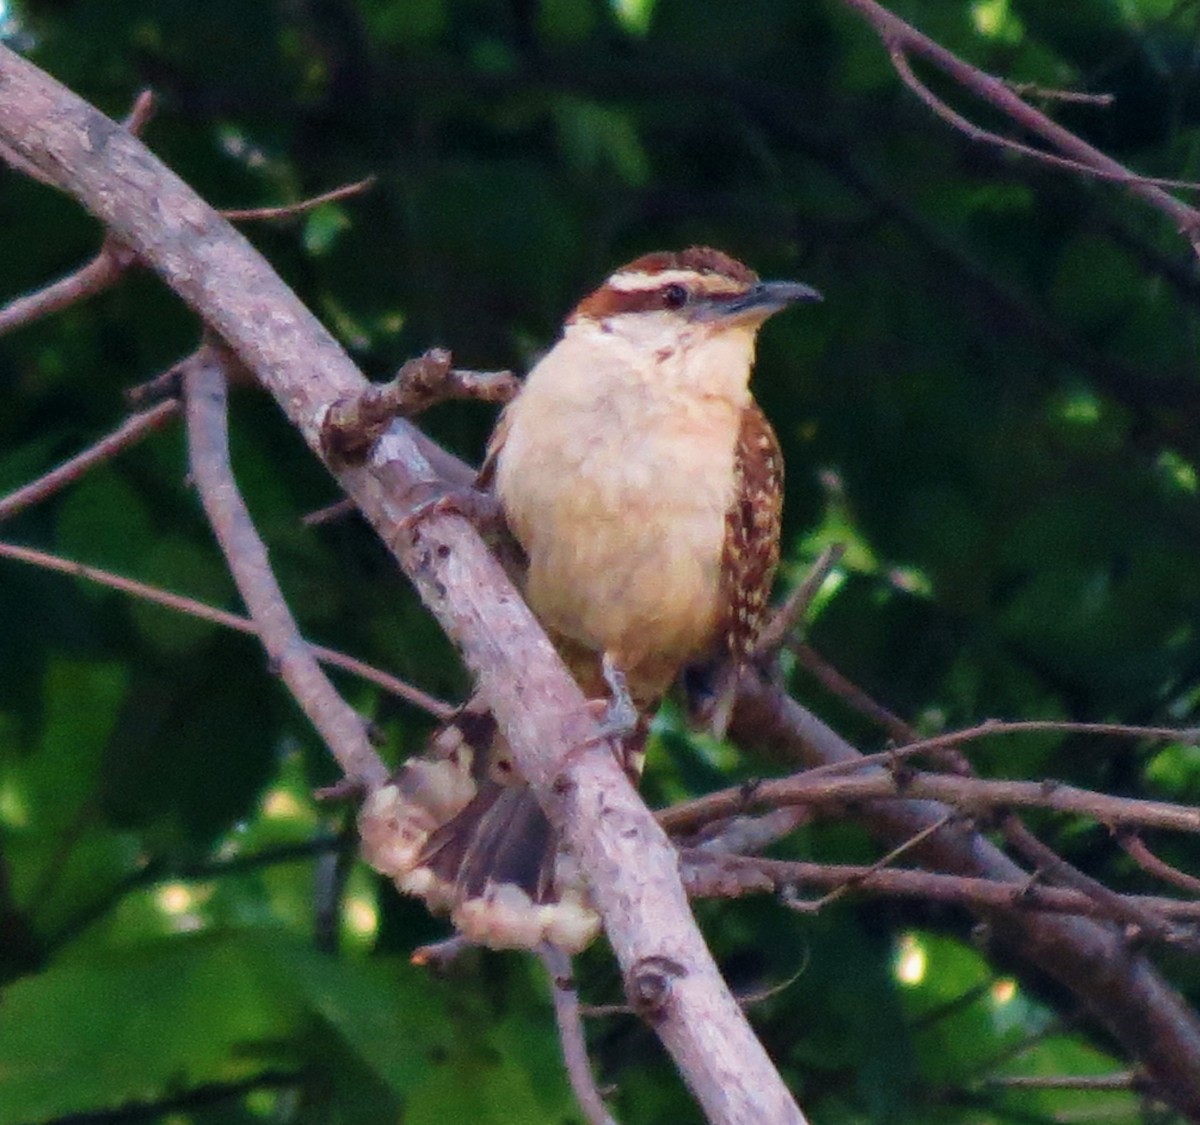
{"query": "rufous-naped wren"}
{"type": "Point", "coordinates": [642, 486]}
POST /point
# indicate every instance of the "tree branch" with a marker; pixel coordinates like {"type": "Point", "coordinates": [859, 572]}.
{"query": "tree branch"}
{"type": "Point", "coordinates": [902, 38]}
{"type": "Point", "coordinates": [341, 727]}
{"type": "Point", "coordinates": [570, 1033]}
{"type": "Point", "coordinates": [731, 876]}
{"type": "Point", "coordinates": [972, 795]}
{"type": "Point", "coordinates": [1118, 986]}
{"type": "Point", "coordinates": [128, 433]}
{"type": "Point", "coordinates": [180, 604]}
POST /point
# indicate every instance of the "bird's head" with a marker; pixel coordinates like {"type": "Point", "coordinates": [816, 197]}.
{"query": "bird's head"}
{"type": "Point", "coordinates": [697, 289]}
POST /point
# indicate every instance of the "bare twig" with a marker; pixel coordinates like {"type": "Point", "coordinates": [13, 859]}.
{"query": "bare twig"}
{"type": "Point", "coordinates": [973, 795]}
{"type": "Point", "coordinates": [990, 728]}
{"type": "Point", "coordinates": [879, 865]}
{"type": "Point", "coordinates": [789, 615]}
{"type": "Point", "coordinates": [287, 210]}
{"type": "Point", "coordinates": [569, 1017]}
{"type": "Point", "coordinates": [731, 876]}
{"type": "Point", "coordinates": [1074, 97]}
{"type": "Point", "coordinates": [1044, 859]}
{"type": "Point", "coordinates": [132, 430]}
{"type": "Point", "coordinates": [1135, 847]}
{"type": "Point", "coordinates": [976, 133]}
{"type": "Point", "coordinates": [902, 39]}
{"type": "Point", "coordinates": [440, 955]}
{"type": "Point", "coordinates": [1121, 1080]}
{"type": "Point", "coordinates": [101, 273]}
{"type": "Point", "coordinates": [340, 726]}
{"type": "Point", "coordinates": [335, 511]}
{"type": "Point", "coordinates": [140, 113]}
{"type": "Point", "coordinates": [1049, 864]}
{"type": "Point", "coordinates": [1093, 960]}
{"type": "Point", "coordinates": [837, 684]}
{"type": "Point", "coordinates": [437, 708]}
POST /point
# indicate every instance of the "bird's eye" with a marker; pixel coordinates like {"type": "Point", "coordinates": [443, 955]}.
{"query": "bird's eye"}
{"type": "Point", "coordinates": [674, 296]}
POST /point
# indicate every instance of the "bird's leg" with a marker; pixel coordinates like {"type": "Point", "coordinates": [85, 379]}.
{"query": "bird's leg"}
{"type": "Point", "coordinates": [619, 716]}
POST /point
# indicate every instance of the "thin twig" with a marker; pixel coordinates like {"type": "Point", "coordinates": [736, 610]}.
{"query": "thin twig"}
{"type": "Point", "coordinates": [1049, 864]}
{"type": "Point", "coordinates": [733, 876]}
{"type": "Point", "coordinates": [972, 795]}
{"type": "Point", "coordinates": [440, 955]}
{"type": "Point", "coordinates": [132, 430]}
{"type": "Point", "coordinates": [1075, 97]}
{"type": "Point", "coordinates": [789, 615]}
{"type": "Point", "coordinates": [158, 872]}
{"type": "Point", "coordinates": [1092, 959]}
{"type": "Point", "coordinates": [436, 707]}
{"type": "Point", "coordinates": [140, 113]}
{"type": "Point", "coordinates": [186, 1102]}
{"type": "Point", "coordinates": [101, 273]}
{"type": "Point", "coordinates": [1135, 847]}
{"type": "Point", "coordinates": [331, 512]}
{"type": "Point", "coordinates": [949, 758]}
{"type": "Point", "coordinates": [991, 728]}
{"type": "Point", "coordinates": [287, 210]}
{"type": "Point", "coordinates": [902, 39]}
{"type": "Point", "coordinates": [1121, 1080]}
{"type": "Point", "coordinates": [568, 1015]}
{"type": "Point", "coordinates": [977, 133]}
{"type": "Point", "coordinates": [878, 865]}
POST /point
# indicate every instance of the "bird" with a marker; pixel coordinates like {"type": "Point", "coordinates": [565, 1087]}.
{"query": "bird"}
{"type": "Point", "coordinates": [641, 487]}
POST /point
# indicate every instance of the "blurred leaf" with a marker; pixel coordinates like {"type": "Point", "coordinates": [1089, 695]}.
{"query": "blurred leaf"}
{"type": "Point", "coordinates": [566, 21]}
{"type": "Point", "coordinates": [322, 226]}
{"type": "Point", "coordinates": [596, 140]}
{"type": "Point", "coordinates": [177, 565]}
{"type": "Point", "coordinates": [104, 521]}
{"type": "Point", "coordinates": [132, 1025]}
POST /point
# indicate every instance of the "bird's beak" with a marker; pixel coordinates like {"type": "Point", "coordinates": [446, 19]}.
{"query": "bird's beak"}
{"type": "Point", "coordinates": [758, 302]}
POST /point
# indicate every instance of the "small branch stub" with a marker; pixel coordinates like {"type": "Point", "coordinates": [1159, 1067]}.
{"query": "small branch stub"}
{"type": "Point", "coordinates": [648, 985]}
{"type": "Point", "coordinates": [352, 426]}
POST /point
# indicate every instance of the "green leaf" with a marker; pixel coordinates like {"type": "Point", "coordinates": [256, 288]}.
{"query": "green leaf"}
{"type": "Point", "coordinates": [596, 139]}
{"type": "Point", "coordinates": [566, 21]}
{"type": "Point", "coordinates": [104, 521]}
{"type": "Point", "coordinates": [135, 1024]}
{"type": "Point", "coordinates": [322, 226]}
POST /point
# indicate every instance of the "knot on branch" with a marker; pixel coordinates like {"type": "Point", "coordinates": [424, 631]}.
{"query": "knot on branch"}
{"type": "Point", "coordinates": [648, 985]}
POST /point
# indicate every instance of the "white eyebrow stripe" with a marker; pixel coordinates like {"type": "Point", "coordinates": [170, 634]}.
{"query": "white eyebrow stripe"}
{"type": "Point", "coordinates": [638, 282]}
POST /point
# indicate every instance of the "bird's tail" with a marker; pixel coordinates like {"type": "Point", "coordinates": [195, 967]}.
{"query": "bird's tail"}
{"type": "Point", "coordinates": [458, 827]}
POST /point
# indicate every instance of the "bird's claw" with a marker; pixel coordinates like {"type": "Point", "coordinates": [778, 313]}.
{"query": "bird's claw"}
{"type": "Point", "coordinates": [482, 509]}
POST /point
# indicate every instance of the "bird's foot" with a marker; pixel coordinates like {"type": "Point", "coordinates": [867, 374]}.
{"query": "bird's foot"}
{"type": "Point", "coordinates": [481, 508]}
{"type": "Point", "coordinates": [617, 716]}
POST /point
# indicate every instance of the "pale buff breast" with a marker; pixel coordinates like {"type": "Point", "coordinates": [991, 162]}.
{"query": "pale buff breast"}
{"type": "Point", "coordinates": [617, 488]}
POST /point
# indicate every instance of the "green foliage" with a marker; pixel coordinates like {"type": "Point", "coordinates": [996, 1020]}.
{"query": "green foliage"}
{"type": "Point", "coordinates": [995, 408]}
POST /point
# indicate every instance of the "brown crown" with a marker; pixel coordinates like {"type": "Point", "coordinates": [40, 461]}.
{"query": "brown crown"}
{"type": "Point", "coordinates": [703, 261]}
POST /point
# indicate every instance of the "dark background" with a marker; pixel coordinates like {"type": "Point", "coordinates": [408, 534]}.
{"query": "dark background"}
{"type": "Point", "coordinates": [994, 408]}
